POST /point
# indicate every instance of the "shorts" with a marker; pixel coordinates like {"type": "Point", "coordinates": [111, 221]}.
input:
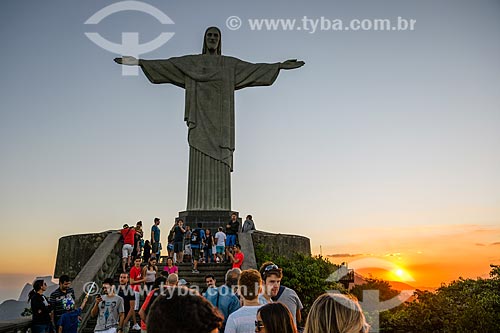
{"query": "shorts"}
{"type": "Point", "coordinates": [40, 328]}
{"type": "Point", "coordinates": [155, 248]}
{"type": "Point", "coordinates": [137, 296]}
{"type": "Point", "coordinates": [220, 249]}
{"type": "Point", "coordinates": [178, 247]}
{"type": "Point", "coordinates": [109, 330]}
{"type": "Point", "coordinates": [170, 246]}
{"type": "Point", "coordinates": [127, 250]}
{"type": "Point", "coordinates": [231, 240]}
{"type": "Point", "coordinates": [196, 253]}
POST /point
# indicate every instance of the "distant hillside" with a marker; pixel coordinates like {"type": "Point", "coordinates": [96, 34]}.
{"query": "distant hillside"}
{"type": "Point", "coordinates": [12, 309]}
{"type": "Point", "coordinates": [396, 285]}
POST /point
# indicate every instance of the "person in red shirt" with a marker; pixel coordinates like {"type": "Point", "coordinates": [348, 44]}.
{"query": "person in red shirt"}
{"type": "Point", "coordinates": [238, 256]}
{"type": "Point", "coordinates": [128, 235]}
{"type": "Point", "coordinates": [136, 279]}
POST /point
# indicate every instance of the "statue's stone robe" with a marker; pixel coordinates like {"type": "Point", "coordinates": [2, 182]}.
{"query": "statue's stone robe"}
{"type": "Point", "coordinates": [210, 82]}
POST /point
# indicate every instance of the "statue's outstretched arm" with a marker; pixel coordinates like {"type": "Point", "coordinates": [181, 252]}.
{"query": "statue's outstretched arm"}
{"type": "Point", "coordinates": [126, 60]}
{"type": "Point", "coordinates": [291, 64]}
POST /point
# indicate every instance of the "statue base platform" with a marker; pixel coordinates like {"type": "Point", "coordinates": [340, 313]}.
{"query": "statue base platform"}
{"type": "Point", "coordinates": [211, 219]}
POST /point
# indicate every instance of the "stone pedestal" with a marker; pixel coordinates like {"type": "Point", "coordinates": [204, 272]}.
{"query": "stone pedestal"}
{"type": "Point", "coordinates": [211, 219]}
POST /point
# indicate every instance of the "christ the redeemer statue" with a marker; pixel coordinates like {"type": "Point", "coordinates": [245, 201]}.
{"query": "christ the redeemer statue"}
{"type": "Point", "coordinates": [210, 80]}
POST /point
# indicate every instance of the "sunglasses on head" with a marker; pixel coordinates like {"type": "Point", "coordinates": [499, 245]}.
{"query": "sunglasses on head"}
{"type": "Point", "coordinates": [270, 267]}
{"type": "Point", "coordinates": [259, 325]}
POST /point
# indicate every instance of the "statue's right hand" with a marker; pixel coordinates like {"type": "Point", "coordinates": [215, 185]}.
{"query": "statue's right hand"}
{"type": "Point", "coordinates": [126, 60]}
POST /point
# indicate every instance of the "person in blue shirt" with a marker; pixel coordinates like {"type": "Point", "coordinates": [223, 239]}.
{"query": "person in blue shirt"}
{"type": "Point", "coordinates": [155, 238]}
{"type": "Point", "coordinates": [224, 297]}
{"type": "Point", "coordinates": [197, 238]}
{"type": "Point", "coordinates": [69, 321]}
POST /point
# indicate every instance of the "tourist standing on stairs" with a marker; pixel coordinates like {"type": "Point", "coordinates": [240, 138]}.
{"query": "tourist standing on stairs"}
{"type": "Point", "coordinates": [150, 272]}
{"type": "Point", "coordinates": [136, 280]}
{"type": "Point", "coordinates": [128, 295]}
{"type": "Point", "coordinates": [197, 237]}
{"type": "Point", "coordinates": [128, 236]}
{"type": "Point", "coordinates": [232, 229]}
{"type": "Point", "coordinates": [179, 232]}
{"type": "Point", "coordinates": [138, 240]}
{"type": "Point", "coordinates": [40, 308]}
{"type": "Point", "coordinates": [220, 244]}
{"type": "Point", "coordinates": [188, 254]}
{"type": "Point", "coordinates": [155, 238]}
{"type": "Point", "coordinates": [170, 241]}
{"type": "Point", "coordinates": [147, 251]}
{"type": "Point", "coordinates": [61, 300]}
{"type": "Point", "coordinates": [207, 248]}
{"type": "Point", "coordinates": [170, 268]}
{"type": "Point", "coordinates": [238, 256]}
{"type": "Point", "coordinates": [248, 225]}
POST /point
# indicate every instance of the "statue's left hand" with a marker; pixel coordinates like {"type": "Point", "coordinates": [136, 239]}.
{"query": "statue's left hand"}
{"type": "Point", "coordinates": [291, 64]}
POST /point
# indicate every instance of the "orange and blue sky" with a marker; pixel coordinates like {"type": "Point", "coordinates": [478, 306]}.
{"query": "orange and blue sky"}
{"type": "Point", "coordinates": [384, 145]}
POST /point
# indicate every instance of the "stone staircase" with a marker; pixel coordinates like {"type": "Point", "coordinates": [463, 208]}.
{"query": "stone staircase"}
{"type": "Point", "coordinates": [198, 279]}
{"type": "Point", "coordinates": [185, 272]}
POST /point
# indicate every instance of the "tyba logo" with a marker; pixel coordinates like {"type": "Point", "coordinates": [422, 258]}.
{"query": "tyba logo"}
{"type": "Point", "coordinates": [130, 40]}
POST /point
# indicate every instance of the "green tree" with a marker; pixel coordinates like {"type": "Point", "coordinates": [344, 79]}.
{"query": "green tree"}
{"type": "Point", "coordinates": [464, 305]}
{"type": "Point", "coordinates": [307, 275]}
{"type": "Point", "coordinates": [384, 288]}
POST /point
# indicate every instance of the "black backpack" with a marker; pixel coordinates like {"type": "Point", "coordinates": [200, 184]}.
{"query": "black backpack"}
{"type": "Point", "coordinates": [196, 237]}
{"type": "Point", "coordinates": [171, 235]}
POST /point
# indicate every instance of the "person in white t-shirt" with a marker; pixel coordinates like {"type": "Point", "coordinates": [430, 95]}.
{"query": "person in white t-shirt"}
{"type": "Point", "coordinates": [220, 244]}
{"type": "Point", "coordinates": [243, 319]}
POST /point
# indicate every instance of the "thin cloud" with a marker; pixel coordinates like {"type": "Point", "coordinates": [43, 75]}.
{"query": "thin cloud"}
{"type": "Point", "coordinates": [496, 243]}
{"type": "Point", "coordinates": [480, 244]}
{"type": "Point", "coordinates": [343, 255]}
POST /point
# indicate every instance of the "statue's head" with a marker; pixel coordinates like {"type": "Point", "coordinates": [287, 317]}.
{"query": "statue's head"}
{"type": "Point", "coordinates": [212, 43]}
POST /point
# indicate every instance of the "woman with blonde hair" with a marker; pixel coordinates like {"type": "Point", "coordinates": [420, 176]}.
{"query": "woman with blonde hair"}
{"type": "Point", "coordinates": [336, 313]}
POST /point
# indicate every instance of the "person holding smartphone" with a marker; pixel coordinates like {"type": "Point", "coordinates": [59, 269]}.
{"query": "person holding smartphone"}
{"type": "Point", "coordinates": [109, 309]}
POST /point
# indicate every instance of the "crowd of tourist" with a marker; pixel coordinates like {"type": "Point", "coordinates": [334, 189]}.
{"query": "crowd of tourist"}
{"type": "Point", "coordinates": [157, 301]}
{"type": "Point", "coordinates": [184, 244]}
{"type": "Point", "coordinates": [248, 301]}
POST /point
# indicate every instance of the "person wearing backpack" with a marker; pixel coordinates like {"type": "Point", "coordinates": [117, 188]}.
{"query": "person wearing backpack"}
{"type": "Point", "coordinates": [197, 237]}
{"type": "Point", "coordinates": [170, 241]}
{"type": "Point", "coordinates": [128, 237]}
{"type": "Point", "coordinates": [138, 240]}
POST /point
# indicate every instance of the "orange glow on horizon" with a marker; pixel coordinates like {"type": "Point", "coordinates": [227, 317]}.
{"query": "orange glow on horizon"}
{"type": "Point", "coordinates": [426, 260]}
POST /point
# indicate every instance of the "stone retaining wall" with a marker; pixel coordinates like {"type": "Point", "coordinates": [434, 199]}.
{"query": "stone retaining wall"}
{"type": "Point", "coordinates": [282, 244]}
{"type": "Point", "coordinates": [74, 251]}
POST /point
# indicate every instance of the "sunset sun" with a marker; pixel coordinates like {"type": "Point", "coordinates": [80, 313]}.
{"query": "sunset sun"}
{"type": "Point", "coordinates": [400, 274]}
